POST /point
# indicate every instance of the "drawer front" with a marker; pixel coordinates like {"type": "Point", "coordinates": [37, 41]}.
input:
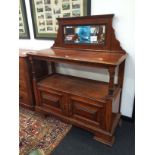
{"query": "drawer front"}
{"type": "Point", "coordinates": [21, 63]}
{"type": "Point", "coordinates": [23, 97]}
{"type": "Point", "coordinates": [21, 75]}
{"type": "Point", "coordinates": [22, 85]}
{"type": "Point", "coordinates": [87, 111]}
{"type": "Point", "coordinates": [52, 100]}
{"type": "Point", "coordinates": [22, 68]}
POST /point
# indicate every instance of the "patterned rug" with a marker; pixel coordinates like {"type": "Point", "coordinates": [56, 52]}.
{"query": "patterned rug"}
{"type": "Point", "coordinates": [39, 133]}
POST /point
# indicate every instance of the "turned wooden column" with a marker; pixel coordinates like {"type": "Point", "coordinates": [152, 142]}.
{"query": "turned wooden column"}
{"type": "Point", "coordinates": [120, 81]}
{"type": "Point", "coordinates": [34, 79]}
{"type": "Point", "coordinates": [121, 74]}
{"type": "Point", "coordinates": [111, 79]}
{"type": "Point", "coordinates": [53, 67]}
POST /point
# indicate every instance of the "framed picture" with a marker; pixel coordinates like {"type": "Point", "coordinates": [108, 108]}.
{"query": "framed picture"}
{"type": "Point", "coordinates": [45, 13]}
{"type": "Point", "coordinates": [23, 24]}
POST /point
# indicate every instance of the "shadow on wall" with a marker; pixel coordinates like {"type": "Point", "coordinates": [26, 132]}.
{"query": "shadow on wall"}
{"type": "Point", "coordinates": [128, 87]}
{"type": "Point", "coordinates": [99, 74]}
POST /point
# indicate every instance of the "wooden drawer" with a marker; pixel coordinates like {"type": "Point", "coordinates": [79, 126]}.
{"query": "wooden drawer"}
{"type": "Point", "coordinates": [21, 72]}
{"type": "Point", "coordinates": [23, 97]}
{"type": "Point", "coordinates": [26, 97]}
{"type": "Point", "coordinates": [22, 84]}
{"type": "Point", "coordinates": [87, 110]}
{"type": "Point", "coordinates": [22, 68]}
{"type": "Point", "coordinates": [21, 62]}
{"type": "Point", "coordinates": [52, 100]}
{"type": "Point", "coordinates": [22, 75]}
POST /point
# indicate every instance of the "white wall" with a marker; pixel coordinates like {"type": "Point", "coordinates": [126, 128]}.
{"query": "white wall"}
{"type": "Point", "coordinates": [124, 28]}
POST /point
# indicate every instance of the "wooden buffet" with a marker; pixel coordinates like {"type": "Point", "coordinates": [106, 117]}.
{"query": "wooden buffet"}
{"type": "Point", "coordinates": [89, 104]}
{"type": "Point", "coordinates": [26, 94]}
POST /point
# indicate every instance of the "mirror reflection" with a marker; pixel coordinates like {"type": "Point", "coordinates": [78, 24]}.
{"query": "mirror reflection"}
{"type": "Point", "coordinates": [85, 34]}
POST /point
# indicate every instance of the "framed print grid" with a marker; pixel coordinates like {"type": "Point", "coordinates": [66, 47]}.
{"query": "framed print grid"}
{"type": "Point", "coordinates": [45, 12]}
{"type": "Point", "coordinates": [23, 24]}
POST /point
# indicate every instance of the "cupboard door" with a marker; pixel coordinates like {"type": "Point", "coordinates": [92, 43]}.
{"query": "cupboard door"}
{"type": "Point", "coordinates": [52, 100]}
{"type": "Point", "coordinates": [87, 111]}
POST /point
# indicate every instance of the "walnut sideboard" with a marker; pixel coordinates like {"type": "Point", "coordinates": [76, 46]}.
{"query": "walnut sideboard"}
{"type": "Point", "coordinates": [26, 92]}
{"type": "Point", "coordinates": [89, 104]}
{"type": "Point", "coordinates": [26, 95]}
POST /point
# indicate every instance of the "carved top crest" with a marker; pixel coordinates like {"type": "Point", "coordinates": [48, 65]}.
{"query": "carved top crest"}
{"type": "Point", "coordinates": [97, 30]}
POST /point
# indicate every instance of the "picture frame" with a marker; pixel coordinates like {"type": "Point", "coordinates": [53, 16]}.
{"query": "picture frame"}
{"type": "Point", "coordinates": [45, 13]}
{"type": "Point", "coordinates": [23, 23]}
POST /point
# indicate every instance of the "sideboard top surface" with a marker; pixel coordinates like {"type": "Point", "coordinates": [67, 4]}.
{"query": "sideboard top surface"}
{"type": "Point", "coordinates": [23, 52]}
{"type": "Point", "coordinates": [106, 58]}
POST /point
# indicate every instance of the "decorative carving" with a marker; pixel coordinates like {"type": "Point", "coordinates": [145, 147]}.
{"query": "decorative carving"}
{"type": "Point", "coordinates": [111, 80]}
{"type": "Point", "coordinates": [115, 44]}
{"type": "Point", "coordinates": [111, 43]}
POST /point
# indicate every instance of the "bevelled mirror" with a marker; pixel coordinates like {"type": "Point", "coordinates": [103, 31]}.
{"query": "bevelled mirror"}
{"type": "Point", "coordinates": [85, 34]}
